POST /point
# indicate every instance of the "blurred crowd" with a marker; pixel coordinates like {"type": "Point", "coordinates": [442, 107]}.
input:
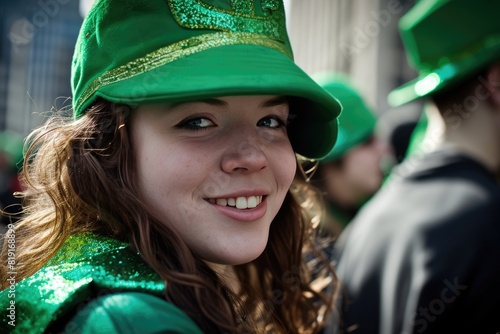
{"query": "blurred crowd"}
{"type": "Point", "coordinates": [411, 214]}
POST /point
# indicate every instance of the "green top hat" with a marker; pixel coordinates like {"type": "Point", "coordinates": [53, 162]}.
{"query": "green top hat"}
{"type": "Point", "coordinates": [153, 51]}
{"type": "Point", "coordinates": [446, 41]}
{"type": "Point", "coordinates": [356, 122]}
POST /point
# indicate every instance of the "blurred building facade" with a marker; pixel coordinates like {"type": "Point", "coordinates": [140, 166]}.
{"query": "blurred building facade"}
{"type": "Point", "coordinates": [37, 38]}
{"type": "Point", "coordinates": [361, 39]}
{"type": "Point", "coordinates": [358, 37]}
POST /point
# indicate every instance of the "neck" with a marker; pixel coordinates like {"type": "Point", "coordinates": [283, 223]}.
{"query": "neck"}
{"type": "Point", "coordinates": [475, 136]}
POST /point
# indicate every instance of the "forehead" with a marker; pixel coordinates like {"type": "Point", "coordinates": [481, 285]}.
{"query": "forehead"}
{"type": "Point", "coordinates": [225, 102]}
{"type": "Point", "coordinates": [250, 100]}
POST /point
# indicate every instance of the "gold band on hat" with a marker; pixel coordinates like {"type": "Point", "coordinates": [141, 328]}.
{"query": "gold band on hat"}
{"type": "Point", "coordinates": [176, 51]}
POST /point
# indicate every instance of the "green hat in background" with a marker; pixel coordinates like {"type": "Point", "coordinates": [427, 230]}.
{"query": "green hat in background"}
{"type": "Point", "coordinates": [446, 41]}
{"type": "Point", "coordinates": [356, 122]}
{"type": "Point", "coordinates": [159, 51]}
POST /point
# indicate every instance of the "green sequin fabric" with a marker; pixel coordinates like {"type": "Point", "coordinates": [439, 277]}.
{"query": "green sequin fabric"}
{"type": "Point", "coordinates": [87, 267]}
{"type": "Point", "coordinates": [242, 17]}
{"type": "Point", "coordinates": [177, 51]}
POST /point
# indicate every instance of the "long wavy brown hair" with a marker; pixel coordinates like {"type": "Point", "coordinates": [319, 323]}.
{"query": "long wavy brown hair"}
{"type": "Point", "coordinates": [80, 176]}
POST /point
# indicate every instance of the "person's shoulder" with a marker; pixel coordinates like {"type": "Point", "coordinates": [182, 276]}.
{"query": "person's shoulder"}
{"type": "Point", "coordinates": [88, 255]}
{"type": "Point", "coordinates": [86, 266]}
{"type": "Point", "coordinates": [86, 246]}
{"type": "Point", "coordinates": [131, 312]}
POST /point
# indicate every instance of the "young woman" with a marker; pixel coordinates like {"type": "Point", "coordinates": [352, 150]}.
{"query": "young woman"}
{"type": "Point", "coordinates": [172, 201]}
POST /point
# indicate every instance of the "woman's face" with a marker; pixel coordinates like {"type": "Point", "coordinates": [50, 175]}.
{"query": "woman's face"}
{"type": "Point", "coordinates": [216, 171]}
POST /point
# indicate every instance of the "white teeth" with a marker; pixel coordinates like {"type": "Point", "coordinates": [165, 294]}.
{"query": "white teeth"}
{"type": "Point", "coordinates": [221, 201]}
{"type": "Point", "coordinates": [251, 202]}
{"type": "Point", "coordinates": [241, 203]}
{"type": "Point", "coordinates": [238, 202]}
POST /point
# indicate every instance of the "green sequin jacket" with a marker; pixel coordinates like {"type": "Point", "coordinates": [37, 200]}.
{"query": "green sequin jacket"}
{"type": "Point", "coordinates": [87, 267]}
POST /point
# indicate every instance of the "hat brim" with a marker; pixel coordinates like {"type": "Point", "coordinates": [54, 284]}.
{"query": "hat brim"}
{"type": "Point", "coordinates": [343, 144]}
{"type": "Point", "coordinates": [238, 70]}
{"type": "Point", "coordinates": [431, 82]}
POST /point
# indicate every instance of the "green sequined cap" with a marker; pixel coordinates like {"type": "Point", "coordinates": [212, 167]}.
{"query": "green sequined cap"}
{"type": "Point", "coordinates": [139, 52]}
{"type": "Point", "coordinates": [88, 266]}
{"type": "Point", "coordinates": [199, 26]}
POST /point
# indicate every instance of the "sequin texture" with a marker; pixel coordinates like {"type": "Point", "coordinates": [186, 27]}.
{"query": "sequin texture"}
{"type": "Point", "coordinates": [176, 51]}
{"type": "Point", "coordinates": [88, 266]}
{"type": "Point", "coordinates": [194, 14]}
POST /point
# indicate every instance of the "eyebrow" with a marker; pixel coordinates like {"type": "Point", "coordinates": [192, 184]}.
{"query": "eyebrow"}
{"type": "Point", "coordinates": [275, 101]}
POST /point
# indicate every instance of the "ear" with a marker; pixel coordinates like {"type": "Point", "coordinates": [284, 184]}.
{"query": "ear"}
{"type": "Point", "coordinates": [493, 83]}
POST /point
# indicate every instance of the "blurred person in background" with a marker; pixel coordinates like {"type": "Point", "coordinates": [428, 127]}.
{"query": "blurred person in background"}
{"type": "Point", "coordinates": [400, 140]}
{"type": "Point", "coordinates": [11, 156]}
{"type": "Point", "coordinates": [353, 170]}
{"type": "Point", "coordinates": [422, 255]}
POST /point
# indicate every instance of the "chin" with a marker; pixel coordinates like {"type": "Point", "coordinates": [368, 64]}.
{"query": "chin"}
{"type": "Point", "coordinates": [242, 257]}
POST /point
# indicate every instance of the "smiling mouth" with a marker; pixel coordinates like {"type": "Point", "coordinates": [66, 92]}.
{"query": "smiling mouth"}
{"type": "Point", "coordinates": [238, 202]}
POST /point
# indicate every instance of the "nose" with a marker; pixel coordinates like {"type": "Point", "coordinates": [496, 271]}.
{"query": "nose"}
{"type": "Point", "coordinates": [244, 155]}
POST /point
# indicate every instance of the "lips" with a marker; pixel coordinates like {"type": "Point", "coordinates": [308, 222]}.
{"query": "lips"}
{"type": "Point", "coordinates": [239, 202]}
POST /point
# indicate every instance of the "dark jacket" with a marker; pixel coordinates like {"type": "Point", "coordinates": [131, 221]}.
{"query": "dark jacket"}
{"type": "Point", "coordinates": [423, 255]}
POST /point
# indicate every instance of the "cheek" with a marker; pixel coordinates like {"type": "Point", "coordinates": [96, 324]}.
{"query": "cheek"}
{"type": "Point", "coordinates": [366, 169]}
{"type": "Point", "coordinates": [363, 159]}
{"type": "Point", "coordinates": [155, 171]}
{"type": "Point", "coordinates": [161, 174]}
{"type": "Point", "coordinates": [165, 187]}
{"type": "Point", "coordinates": [356, 168]}
{"type": "Point", "coordinates": [286, 165]}
{"type": "Point", "coordinates": [150, 179]}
